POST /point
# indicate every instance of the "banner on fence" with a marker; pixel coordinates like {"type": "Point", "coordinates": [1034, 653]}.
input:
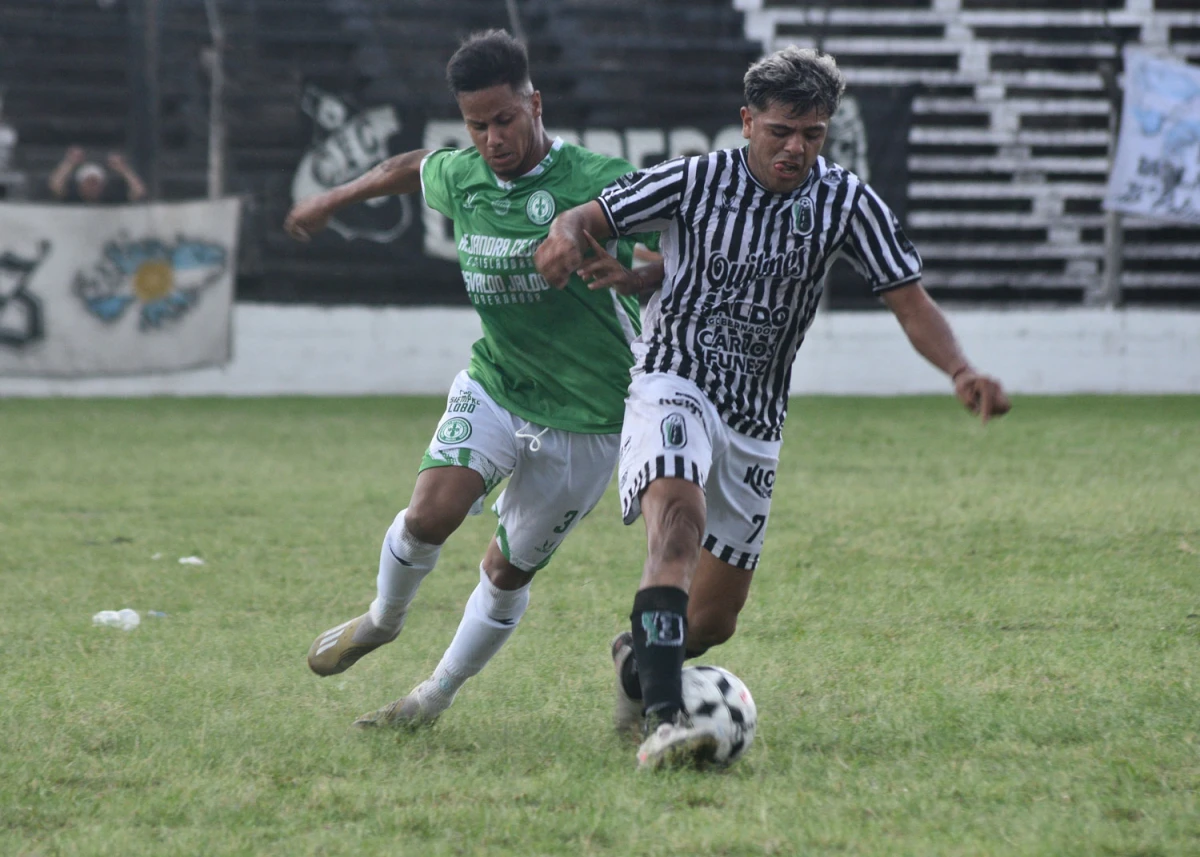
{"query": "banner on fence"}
{"type": "Point", "coordinates": [1157, 169]}
{"type": "Point", "coordinates": [116, 290]}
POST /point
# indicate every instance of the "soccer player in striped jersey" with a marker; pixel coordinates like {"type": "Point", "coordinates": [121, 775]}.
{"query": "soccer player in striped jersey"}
{"type": "Point", "coordinates": [747, 238]}
{"type": "Point", "coordinates": [543, 411]}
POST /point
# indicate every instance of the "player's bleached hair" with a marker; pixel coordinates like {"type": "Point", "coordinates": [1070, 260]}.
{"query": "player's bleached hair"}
{"type": "Point", "coordinates": [486, 59]}
{"type": "Point", "coordinates": [800, 78]}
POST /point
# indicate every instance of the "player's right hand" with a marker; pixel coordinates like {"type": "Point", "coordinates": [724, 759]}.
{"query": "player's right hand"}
{"type": "Point", "coordinates": [602, 271]}
{"type": "Point", "coordinates": [982, 395]}
{"type": "Point", "coordinates": [307, 218]}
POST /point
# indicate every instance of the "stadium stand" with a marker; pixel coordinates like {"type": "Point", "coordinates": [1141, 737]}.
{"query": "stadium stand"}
{"type": "Point", "coordinates": [1006, 156]}
{"type": "Point", "coordinates": [1009, 146]}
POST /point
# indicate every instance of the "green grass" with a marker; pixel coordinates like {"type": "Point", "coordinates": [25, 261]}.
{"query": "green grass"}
{"type": "Point", "coordinates": [961, 641]}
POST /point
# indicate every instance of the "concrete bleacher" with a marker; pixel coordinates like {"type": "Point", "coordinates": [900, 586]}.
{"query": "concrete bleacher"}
{"type": "Point", "coordinates": [63, 66]}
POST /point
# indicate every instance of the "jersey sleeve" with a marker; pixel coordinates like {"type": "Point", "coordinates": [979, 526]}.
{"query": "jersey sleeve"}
{"type": "Point", "coordinates": [646, 200]}
{"type": "Point", "coordinates": [437, 180]}
{"type": "Point", "coordinates": [876, 245]}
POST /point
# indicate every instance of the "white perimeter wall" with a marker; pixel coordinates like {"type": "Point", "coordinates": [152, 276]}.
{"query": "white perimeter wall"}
{"type": "Point", "coordinates": [291, 350]}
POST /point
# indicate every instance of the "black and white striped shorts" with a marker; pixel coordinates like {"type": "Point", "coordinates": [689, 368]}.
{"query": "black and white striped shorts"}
{"type": "Point", "coordinates": [672, 430]}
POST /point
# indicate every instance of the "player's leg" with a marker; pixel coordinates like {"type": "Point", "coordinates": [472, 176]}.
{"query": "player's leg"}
{"type": "Point", "coordinates": [470, 452]}
{"type": "Point", "coordinates": [739, 506]}
{"type": "Point", "coordinates": [555, 483]}
{"type": "Point", "coordinates": [718, 594]}
{"type": "Point", "coordinates": [667, 449]}
{"type": "Point", "coordinates": [716, 597]}
{"type": "Point", "coordinates": [489, 619]}
{"type": "Point", "coordinates": [738, 500]}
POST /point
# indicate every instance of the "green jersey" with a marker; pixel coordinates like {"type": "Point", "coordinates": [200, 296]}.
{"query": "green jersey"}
{"type": "Point", "coordinates": [557, 358]}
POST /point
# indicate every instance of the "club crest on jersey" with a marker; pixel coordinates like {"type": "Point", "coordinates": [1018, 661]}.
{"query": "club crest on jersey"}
{"type": "Point", "coordinates": [540, 208]}
{"type": "Point", "coordinates": [454, 430]}
{"type": "Point", "coordinates": [802, 216]}
{"type": "Point", "coordinates": [674, 431]}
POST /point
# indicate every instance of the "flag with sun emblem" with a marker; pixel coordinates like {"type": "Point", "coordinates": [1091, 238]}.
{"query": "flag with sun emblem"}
{"type": "Point", "coordinates": [123, 290]}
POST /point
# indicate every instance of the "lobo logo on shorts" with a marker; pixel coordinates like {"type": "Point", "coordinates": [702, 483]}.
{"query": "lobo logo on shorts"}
{"type": "Point", "coordinates": [454, 430]}
{"type": "Point", "coordinates": [674, 431]}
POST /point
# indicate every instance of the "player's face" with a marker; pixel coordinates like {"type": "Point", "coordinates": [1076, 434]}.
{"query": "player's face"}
{"type": "Point", "coordinates": [783, 146]}
{"type": "Point", "coordinates": [506, 128]}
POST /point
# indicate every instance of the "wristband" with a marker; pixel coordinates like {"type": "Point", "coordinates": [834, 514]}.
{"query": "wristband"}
{"type": "Point", "coordinates": [959, 371]}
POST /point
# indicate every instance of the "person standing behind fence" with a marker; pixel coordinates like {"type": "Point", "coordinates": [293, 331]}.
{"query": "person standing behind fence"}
{"type": "Point", "coordinates": [79, 180]}
{"type": "Point", "coordinates": [747, 237]}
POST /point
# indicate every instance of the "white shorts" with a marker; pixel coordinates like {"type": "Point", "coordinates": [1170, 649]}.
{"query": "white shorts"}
{"type": "Point", "coordinates": [557, 476]}
{"type": "Point", "coordinates": [673, 430]}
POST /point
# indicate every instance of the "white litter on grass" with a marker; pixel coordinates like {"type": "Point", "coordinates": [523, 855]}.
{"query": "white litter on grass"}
{"type": "Point", "coordinates": [156, 556]}
{"type": "Point", "coordinates": [125, 619]}
{"type": "Point", "coordinates": [190, 560]}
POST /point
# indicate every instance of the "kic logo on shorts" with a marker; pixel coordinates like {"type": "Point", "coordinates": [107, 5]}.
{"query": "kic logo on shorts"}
{"type": "Point", "coordinates": [761, 482]}
{"type": "Point", "coordinates": [674, 431]}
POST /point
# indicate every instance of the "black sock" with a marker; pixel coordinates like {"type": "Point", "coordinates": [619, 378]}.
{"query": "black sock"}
{"type": "Point", "coordinates": [631, 682]}
{"type": "Point", "coordinates": [659, 622]}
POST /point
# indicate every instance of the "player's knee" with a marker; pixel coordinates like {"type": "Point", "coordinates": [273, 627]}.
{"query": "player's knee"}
{"type": "Point", "coordinates": [429, 524]}
{"type": "Point", "coordinates": [502, 573]}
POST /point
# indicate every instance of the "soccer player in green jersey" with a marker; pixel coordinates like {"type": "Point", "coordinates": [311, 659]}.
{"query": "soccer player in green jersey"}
{"type": "Point", "coordinates": [542, 399]}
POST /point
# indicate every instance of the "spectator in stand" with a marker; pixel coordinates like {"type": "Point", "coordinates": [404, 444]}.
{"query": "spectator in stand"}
{"type": "Point", "coordinates": [78, 180]}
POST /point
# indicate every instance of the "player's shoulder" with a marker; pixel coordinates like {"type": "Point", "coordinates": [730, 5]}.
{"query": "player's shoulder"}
{"type": "Point", "coordinates": [836, 176]}
{"type": "Point", "coordinates": [594, 162]}
{"type": "Point", "coordinates": [458, 163]}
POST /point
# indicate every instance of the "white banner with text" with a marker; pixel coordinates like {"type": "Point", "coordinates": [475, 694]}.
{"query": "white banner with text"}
{"type": "Point", "coordinates": [116, 290]}
{"type": "Point", "coordinates": [1157, 169]}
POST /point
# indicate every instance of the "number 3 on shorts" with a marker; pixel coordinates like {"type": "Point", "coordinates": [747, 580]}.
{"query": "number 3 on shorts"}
{"type": "Point", "coordinates": [562, 528]}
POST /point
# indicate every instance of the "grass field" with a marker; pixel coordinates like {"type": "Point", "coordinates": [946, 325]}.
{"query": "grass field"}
{"type": "Point", "coordinates": [961, 641]}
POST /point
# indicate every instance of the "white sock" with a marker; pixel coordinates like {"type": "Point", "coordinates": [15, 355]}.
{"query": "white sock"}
{"type": "Point", "coordinates": [490, 618]}
{"type": "Point", "coordinates": [403, 563]}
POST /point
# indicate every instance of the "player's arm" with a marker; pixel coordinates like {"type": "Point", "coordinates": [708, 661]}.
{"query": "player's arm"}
{"type": "Point", "coordinates": [397, 175]}
{"type": "Point", "coordinates": [930, 334]}
{"type": "Point", "coordinates": [561, 254]}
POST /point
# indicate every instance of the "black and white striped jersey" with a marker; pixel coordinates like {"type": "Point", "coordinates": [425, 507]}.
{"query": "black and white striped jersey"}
{"type": "Point", "coordinates": [745, 268]}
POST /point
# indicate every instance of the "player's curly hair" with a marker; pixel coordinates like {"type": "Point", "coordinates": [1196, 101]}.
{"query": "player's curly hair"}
{"type": "Point", "coordinates": [488, 58]}
{"type": "Point", "coordinates": [801, 78]}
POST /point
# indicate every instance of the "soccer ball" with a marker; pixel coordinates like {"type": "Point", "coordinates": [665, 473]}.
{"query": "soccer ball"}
{"type": "Point", "coordinates": [718, 700]}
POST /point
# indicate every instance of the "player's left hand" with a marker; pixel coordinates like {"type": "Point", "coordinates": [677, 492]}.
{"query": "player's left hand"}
{"type": "Point", "coordinates": [602, 271]}
{"type": "Point", "coordinates": [981, 395]}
